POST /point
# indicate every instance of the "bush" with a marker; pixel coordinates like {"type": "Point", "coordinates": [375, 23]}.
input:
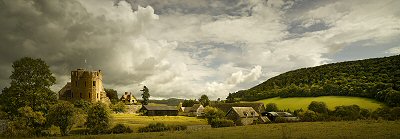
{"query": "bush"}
{"type": "Point", "coordinates": [120, 128]}
{"type": "Point", "coordinates": [395, 113]}
{"type": "Point", "coordinates": [119, 107]}
{"type": "Point", "coordinates": [348, 112]}
{"type": "Point", "coordinates": [319, 107]}
{"type": "Point", "coordinates": [98, 119]}
{"type": "Point", "coordinates": [213, 113]}
{"type": "Point", "coordinates": [160, 127]}
{"type": "Point", "coordinates": [28, 123]}
{"type": "Point", "coordinates": [271, 107]}
{"type": "Point", "coordinates": [215, 123]}
{"type": "Point", "coordinates": [82, 104]}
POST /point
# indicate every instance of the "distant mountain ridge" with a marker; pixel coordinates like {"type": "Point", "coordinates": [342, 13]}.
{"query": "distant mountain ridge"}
{"type": "Point", "coordinates": [377, 78]}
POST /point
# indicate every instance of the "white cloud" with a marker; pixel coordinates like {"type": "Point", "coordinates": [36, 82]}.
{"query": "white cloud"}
{"type": "Point", "coordinates": [394, 50]}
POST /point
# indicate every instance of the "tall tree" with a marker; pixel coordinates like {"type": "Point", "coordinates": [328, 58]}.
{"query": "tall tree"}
{"type": "Point", "coordinates": [30, 86]}
{"type": "Point", "coordinates": [112, 95]}
{"type": "Point", "coordinates": [204, 100]}
{"type": "Point", "coordinates": [63, 115]}
{"type": "Point", "coordinates": [145, 95]}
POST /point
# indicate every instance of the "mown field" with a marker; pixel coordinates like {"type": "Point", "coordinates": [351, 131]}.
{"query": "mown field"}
{"type": "Point", "coordinates": [332, 101]}
{"type": "Point", "coordinates": [304, 130]}
{"type": "Point", "coordinates": [135, 122]}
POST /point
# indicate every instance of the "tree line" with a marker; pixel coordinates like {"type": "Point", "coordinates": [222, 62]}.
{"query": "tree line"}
{"type": "Point", "coordinates": [376, 78]}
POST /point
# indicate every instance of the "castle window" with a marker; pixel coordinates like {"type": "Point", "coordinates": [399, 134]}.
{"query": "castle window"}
{"type": "Point", "coordinates": [94, 83]}
{"type": "Point", "coordinates": [85, 83]}
{"type": "Point", "coordinates": [97, 95]}
{"type": "Point", "coordinates": [76, 83]}
{"type": "Point", "coordinates": [89, 95]}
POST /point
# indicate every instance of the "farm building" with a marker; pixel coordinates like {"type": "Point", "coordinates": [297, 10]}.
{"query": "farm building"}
{"type": "Point", "coordinates": [159, 110]}
{"type": "Point", "coordinates": [225, 107]}
{"type": "Point", "coordinates": [195, 110]}
{"type": "Point", "coordinates": [273, 116]}
{"type": "Point", "coordinates": [243, 115]}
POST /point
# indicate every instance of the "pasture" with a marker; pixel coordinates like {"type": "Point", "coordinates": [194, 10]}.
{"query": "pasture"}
{"type": "Point", "coordinates": [294, 103]}
{"type": "Point", "coordinates": [306, 130]}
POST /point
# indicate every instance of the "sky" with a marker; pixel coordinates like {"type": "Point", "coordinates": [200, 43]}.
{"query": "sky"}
{"type": "Point", "coordinates": [186, 48]}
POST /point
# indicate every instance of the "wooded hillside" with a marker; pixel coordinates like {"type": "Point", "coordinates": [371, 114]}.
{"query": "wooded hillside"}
{"type": "Point", "coordinates": [377, 78]}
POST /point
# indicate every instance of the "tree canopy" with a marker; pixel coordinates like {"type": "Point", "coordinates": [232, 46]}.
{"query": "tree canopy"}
{"type": "Point", "coordinates": [204, 100]}
{"type": "Point", "coordinates": [145, 95]}
{"type": "Point", "coordinates": [30, 86]}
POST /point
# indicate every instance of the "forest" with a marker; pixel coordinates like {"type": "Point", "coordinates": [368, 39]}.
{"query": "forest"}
{"type": "Point", "coordinates": [376, 78]}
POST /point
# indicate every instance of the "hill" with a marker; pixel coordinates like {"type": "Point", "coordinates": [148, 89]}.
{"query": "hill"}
{"type": "Point", "coordinates": [331, 102]}
{"type": "Point", "coordinates": [376, 78]}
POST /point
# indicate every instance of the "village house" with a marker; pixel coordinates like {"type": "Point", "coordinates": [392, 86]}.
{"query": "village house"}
{"type": "Point", "coordinates": [128, 98]}
{"type": "Point", "coordinates": [184, 111]}
{"type": "Point", "coordinates": [159, 110]}
{"type": "Point", "coordinates": [84, 85]}
{"type": "Point", "coordinates": [243, 115]}
{"type": "Point", "coordinates": [195, 111]}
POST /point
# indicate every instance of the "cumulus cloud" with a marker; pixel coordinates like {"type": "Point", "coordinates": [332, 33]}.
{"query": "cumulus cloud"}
{"type": "Point", "coordinates": [185, 48]}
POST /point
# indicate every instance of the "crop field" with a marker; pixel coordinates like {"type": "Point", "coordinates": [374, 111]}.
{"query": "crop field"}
{"type": "Point", "coordinates": [332, 101]}
{"type": "Point", "coordinates": [304, 130]}
{"type": "Point", "coordinates": [135, 122]}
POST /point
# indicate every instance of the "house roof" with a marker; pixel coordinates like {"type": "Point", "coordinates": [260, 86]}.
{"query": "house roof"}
{"type": "Point", "coordinates": [186, 109]}
{"type": "Point", "coordinates": [195, 107]}
{"type": "Point", "coordinates": [281, 114]}
{"type": "Point", "coordinates": [225, 107]}
{"type": "Point", "coordinates": [244, 111]}
{"type": "Point", "coordinates": [165, 108]}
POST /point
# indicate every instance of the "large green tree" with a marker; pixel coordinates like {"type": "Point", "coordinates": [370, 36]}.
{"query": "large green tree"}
{"type": "Point", "coordinates": [112, 95]}
{"type": "Point", "coordinates": [145, 95]}
{"type": "Point", "coordinates": [64, 115]}
{"type": "Point", "coordinates": [204, 100]}
{"type": "Point", "coordinates": [30, 86]}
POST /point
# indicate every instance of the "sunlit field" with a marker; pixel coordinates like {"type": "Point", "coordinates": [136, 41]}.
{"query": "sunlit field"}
{"type": "Point", "coordinates": [332, 101]}
{"type": "Point", "coordinates": [304, 130]}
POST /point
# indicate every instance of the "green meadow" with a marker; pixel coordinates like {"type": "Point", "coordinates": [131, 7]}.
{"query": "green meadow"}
{"type": "Point", "coordinates": [304, 130]}
{"type": "Point", "coordinates": [135, 122]}
{"type": "Point", "coordinates": [332, 101]}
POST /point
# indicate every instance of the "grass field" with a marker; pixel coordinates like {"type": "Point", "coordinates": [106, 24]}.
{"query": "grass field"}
{"type": "Point", "coordinates": [135, 122]}
{"type": "Point", "coordinates": [331, 101]}
{"type": "Point", "coordinates": [304, 130]}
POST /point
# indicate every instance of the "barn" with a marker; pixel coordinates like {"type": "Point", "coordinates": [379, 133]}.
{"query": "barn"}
{"type": "Point", "coordinates": [225, 107]}
{"type": "Point", "coordinates": [243, 115]}
{"type": "Point", "coordinates": [159, 110]}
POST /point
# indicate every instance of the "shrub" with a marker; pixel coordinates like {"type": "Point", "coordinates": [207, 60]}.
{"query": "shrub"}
{"type": "Point", "coordinates": [395, 113]}
{"type": "Point", "coordinates": [351, 112]}
{"type": "Point", "coordinates": [28, 123]}
{"type": "Point", "coordinates": [213, 113]}
{"type": "Point", "coordinates": [119, 107]}
{"type": "Point", "coordinates": [120, 128]}
{"type": "Point", "coordinates": [98, 119]}
{"type": "Point", "coordinates": [271, 107]}
{"type": "Point", "coordinates": [308, 116]}
{"type": "Point", "coordinates": [82, 104]}
{"type": "Point", "coordinates": [215, 123]}
{"type": "Point", "coordinates": [319, 107]}
{"type": "Point", "coordinates": [160, 127]}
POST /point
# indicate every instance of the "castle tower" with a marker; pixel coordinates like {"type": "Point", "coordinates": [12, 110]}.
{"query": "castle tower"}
{"type": "Point", "coordinates": [86, 85]}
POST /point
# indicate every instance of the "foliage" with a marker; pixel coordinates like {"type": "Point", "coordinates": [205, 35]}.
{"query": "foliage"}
{"type": "Point", "coordinates": [189, 103]}
{"type": "Point", "coordinates": [217, 122]}
{"type": "Point", "coordinates": [230, 98]}
{"type": "Point", "coordinates": [145, 95]}
{"type": "Point", "coordinates": [319, 107]}
{"type": "Point", "coordinates": [204, 100]}
{"type": "Point", "coordinates": [30, 86]}
{"type": "Point", "coordinates": [118, 107]}
{"type": "Point", "coordinates": [99, 118]}
{"type": "Point", "coordinates": [63, 115]}
{"type": "Point", "coordinates": [169, 101]}
{"type": "Point", "coordinates": [82, 104]}
{"type": "Point", "coordinates": [352, 112]}
{"type": "Point", "coordinates": [211, 113]}
{"type": "Point", "coordinates": [27, 123]}
{"type": "Point", "coordinates": [120, 128]}
{"type": "Point", "coordinates": [112, 95]}
{"type": "Point", "coordinates": [271, 107]}
{"type": "Point", "coordinates": [160, 127]}
{"type": "Point", "coordinates": [377, 78]}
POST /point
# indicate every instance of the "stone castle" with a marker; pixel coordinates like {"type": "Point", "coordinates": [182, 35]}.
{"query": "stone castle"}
{"type": "Point", "coordinates": [84, 85]}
